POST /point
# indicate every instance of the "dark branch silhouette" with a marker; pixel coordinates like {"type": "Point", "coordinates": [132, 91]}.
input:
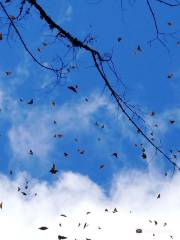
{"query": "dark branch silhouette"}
{"type": "Point", "coordinates": [99, 61]}
{"type": "Point", "coordinates": [169, 4]}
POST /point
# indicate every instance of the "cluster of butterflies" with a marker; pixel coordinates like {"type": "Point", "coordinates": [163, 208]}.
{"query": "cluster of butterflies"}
{"type": "Point", "coordinates": [84, 225]}
{"type": "Point", "coordinates": [53, 170]}
{"type": "Point", "coordinates": [23, 190]}
{"type": "Point", "coordinates": [143, 150]}
{"type": "Point", "coordinates": [140, 230]}
{"type": "Point", "coordinates": [114, 211]}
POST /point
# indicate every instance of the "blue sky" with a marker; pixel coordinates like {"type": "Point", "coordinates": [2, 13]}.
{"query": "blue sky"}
{"type": "Point", "coordinates": [146, 85]}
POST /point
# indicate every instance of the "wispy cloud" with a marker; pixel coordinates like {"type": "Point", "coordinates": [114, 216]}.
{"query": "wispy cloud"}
{"type": "Point", "coordinates": [65, 14]}
{"type": "Point", "coordinates": [32, 126]}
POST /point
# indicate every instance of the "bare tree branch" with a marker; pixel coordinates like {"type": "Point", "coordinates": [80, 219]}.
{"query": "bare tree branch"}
{"type": "Point", "coordinates": [57, 71]}
{"type": "Point", "coordinates": [99, 61]}
{"type": "Point", "coordinates": [158, 33]}
{"type": "Point", "coordinates": [169, 4]}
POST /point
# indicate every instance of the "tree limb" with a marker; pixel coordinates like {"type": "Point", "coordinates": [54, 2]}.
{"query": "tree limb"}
{"type": "Point", "coordinates": [99, 62]}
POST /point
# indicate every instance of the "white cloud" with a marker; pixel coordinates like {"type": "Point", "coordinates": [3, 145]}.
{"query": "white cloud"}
{"type": "Point", "coordinates": [162, 120]}
{"type": "Point", "coordinates": [33, 128]}
{"type": "Point", "coordinates": [31, 132]}
{"type": "Point", "coordinates": [73, 194]}
{"type": "Point", "coordinates": [65, 14]}
{"type": "Point", "coordinates": [68, 14]}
